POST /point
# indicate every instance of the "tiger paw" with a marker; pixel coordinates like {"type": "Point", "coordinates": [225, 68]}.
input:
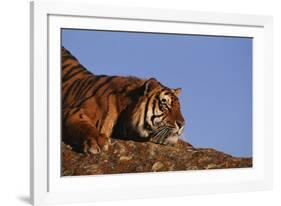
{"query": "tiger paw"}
{"type": "Point", "coordinates": [96, 145]}
{"type": "Point", "coordinates": [103, 142]}
{"type": "Point", "coordinates": [91, 147]}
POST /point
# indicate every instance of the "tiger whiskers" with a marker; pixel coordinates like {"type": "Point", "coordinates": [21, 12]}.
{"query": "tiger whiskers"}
{"type": "Point", "coordinates": [165, 136]}
{"type": "Point", "coordinates": [158, 133]}
{"type": "Point", "coordinates": [161, 135]}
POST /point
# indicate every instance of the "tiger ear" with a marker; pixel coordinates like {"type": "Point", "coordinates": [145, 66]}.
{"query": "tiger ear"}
{"type": "Point", "coordinates": [177, 91]}
{"type": "Point", "coordinates": [150, 85]}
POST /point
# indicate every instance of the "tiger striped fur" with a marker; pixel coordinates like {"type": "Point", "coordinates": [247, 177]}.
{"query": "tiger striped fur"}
{"type": "Point", "coordinates": [98, 107]}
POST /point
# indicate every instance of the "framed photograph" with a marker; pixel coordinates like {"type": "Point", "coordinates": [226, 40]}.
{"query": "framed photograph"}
{"type": "Point", "coordinates": [140, 102]}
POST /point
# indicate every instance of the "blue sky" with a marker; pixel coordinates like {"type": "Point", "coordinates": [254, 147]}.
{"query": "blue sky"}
{"type": "Point", "coordinates": [215, 74]}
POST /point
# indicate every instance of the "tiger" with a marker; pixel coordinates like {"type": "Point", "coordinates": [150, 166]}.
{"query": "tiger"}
{"type": "Point", "coordinates": [97, 108]}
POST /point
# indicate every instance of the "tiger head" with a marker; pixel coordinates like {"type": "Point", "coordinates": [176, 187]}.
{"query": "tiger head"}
{"type": "Point", "coordinates": [156, 114]}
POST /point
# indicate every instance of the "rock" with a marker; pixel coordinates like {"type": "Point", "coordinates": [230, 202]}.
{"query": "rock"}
{"type": "Point", "coordinates": [157, 166]}
{"type": "Point", "coordinates": [125, 158]}
{"type": "Point", "coordinates": [131, 157]}
{"type": "Point", "coordinates": [211, 166]}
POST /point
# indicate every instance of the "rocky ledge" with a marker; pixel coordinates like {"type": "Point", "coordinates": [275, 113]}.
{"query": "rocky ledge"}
{"type": "Point", "coordinates": [130, 156]}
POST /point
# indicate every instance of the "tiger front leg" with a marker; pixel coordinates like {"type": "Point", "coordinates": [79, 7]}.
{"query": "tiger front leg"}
{"type": "Point", "coordinates": [83, 132]}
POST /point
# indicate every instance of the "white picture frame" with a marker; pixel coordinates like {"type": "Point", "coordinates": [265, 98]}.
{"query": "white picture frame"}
{"type": "Point", "coordinates": [47, 186]}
